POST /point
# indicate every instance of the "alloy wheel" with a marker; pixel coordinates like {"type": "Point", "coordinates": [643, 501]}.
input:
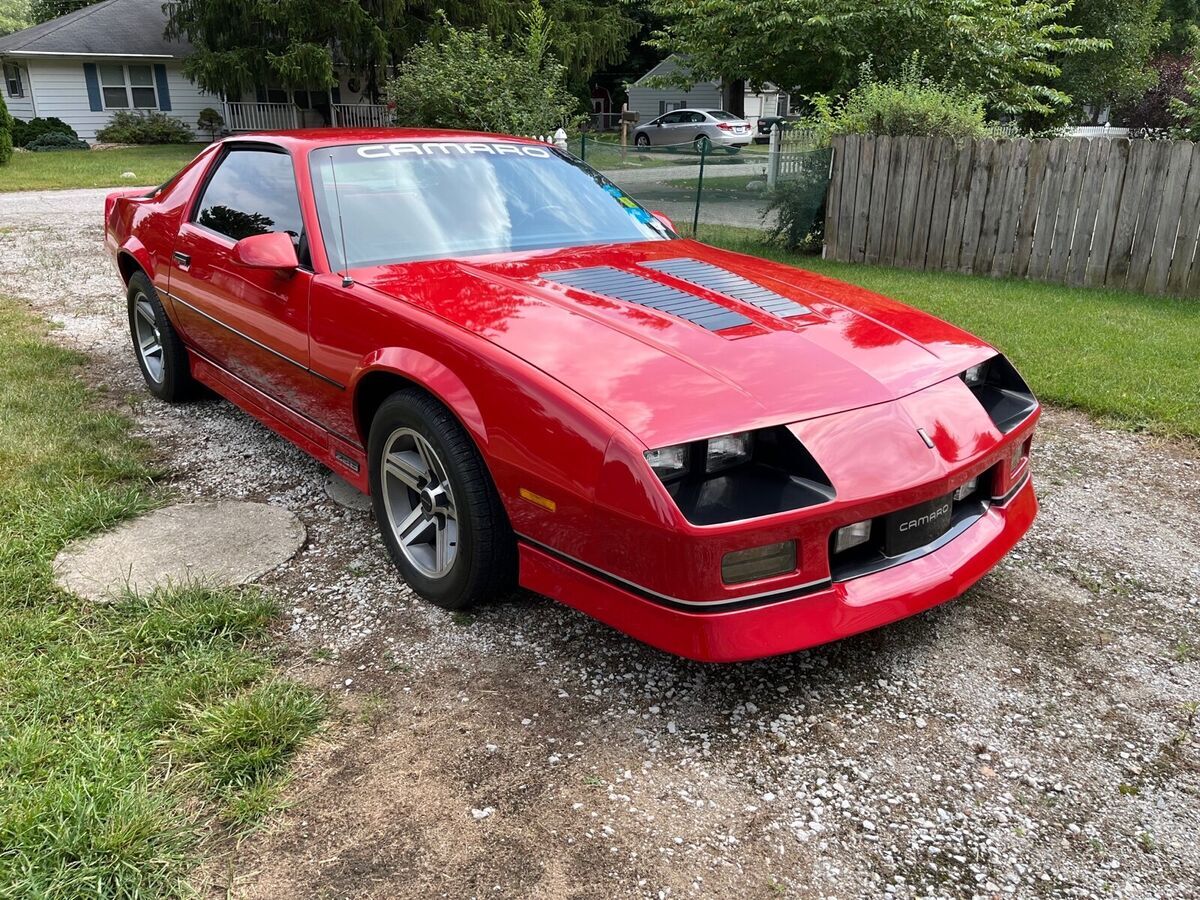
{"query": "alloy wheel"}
{"type": "Point", "coordinates": [149, 338]}
{"type": "Point", "coordinates": [419, 503]}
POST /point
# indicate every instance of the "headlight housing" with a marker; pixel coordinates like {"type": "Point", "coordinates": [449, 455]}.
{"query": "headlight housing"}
{"type": "Point", "coordinates": [739, 476]}
{"type": "Point", "coordinates": [1002, 392]}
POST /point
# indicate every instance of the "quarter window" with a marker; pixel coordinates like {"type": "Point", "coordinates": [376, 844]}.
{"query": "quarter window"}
{"type": "Point", "coordinates": [128, 87]}
{"type": "Point", "coordinates": [252, 192]}
{"type": "Point", "coordinates": [12, 80]}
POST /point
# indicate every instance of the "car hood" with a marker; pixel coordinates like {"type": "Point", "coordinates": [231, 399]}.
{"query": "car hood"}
{"type": "Point", "coordinates": [718, 357]}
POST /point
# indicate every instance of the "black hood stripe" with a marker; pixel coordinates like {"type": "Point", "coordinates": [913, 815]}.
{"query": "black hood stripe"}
{"type": "Point", "coordinates": [722, 281]}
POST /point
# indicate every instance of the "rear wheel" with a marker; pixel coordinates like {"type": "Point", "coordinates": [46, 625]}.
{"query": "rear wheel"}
{"type": "Point", "coordinates": [160, 353]}
{"type": "Point", "coordinates": [436, 506]}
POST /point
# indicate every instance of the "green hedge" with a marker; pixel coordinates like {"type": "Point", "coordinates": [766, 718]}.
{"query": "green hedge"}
{"type": "Point", "coordinates": [6, 124]}
{"type": "Point", "coordinates": [24, 132]}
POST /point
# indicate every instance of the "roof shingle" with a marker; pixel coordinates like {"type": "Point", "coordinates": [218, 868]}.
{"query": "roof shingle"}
{"type": "Point", "coordinates": [110, 28]}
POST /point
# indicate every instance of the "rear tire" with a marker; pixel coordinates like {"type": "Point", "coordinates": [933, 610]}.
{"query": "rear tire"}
{"type": "Point", "coordinates": [160, 353]}
{"type": "Point", "coordinates": [438, 511]}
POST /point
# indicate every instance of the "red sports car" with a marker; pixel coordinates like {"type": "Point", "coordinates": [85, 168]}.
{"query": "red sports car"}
{"type": "Point", "coordinates": [539, 382]}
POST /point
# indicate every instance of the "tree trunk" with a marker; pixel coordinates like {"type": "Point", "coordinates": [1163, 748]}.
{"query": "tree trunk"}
{"type": "Point", "coordinates": [735, 97]}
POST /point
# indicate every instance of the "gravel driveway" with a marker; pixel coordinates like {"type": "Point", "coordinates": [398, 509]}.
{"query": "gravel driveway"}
{"type": "Point", "coordinates": [1036, 738]}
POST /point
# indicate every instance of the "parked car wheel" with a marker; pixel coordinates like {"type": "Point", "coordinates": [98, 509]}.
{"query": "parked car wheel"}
{"type": "Point", "coordinates": [703, 145]}
{"type": "Point", "coordinates": [160, 353]}
{"type": "Point", "coordinates": [642, 140]}
{"type": "Point", "coordinates": [436, 506]}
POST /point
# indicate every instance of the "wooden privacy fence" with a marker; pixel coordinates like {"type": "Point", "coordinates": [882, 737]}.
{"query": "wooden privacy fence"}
{"type": "Point", "coordinates": [1097, 212]}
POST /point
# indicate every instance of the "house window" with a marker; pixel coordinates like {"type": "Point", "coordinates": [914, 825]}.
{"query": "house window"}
{"type": "Point", "coordinates": [666, 106]}
{"type": "Point", "coordinates": [12, 80]}
{"type": "Point", "coordinates": [128, 87]}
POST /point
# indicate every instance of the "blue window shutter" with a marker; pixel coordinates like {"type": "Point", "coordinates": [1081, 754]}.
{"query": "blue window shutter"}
{"type": "Point", "coordinates": [93, 87]}
{"type": "Point", "coordinates": [337, 93]}
{"type": "Point", "coordinates": [164, 92]}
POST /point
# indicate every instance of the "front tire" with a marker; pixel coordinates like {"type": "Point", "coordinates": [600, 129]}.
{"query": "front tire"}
{"type": "Point", "coordinates": [703, 145]}
{"type": "Point", "coordinates": [438, 511]}
{"type": "Point", "coordinates": [642, 140]}
{"type": "Point", "coordinates": [160, 353]}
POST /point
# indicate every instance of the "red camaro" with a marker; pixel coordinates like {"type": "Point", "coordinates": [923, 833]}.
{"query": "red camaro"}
{"type": "Point", "coordinates": [539, 382]}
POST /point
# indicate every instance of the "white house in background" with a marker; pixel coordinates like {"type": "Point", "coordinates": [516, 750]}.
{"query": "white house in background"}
{"type": "Point", "coordinates": [651, 101]}
{"type": "Point", "coordinates": [84, 66]}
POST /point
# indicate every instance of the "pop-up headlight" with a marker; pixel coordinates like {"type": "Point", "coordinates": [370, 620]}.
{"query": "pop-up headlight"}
{"type": "Point", "coordinates": [726, 452]}
{"type": "Point", "coordinates": [669, 463]}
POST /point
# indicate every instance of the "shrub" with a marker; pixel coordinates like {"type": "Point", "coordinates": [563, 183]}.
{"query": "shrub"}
{"type": "Point", "coordinates": [210, 120]}
{"type": "Point", "coordinates": [128, 127]}
{"type": "Point", "coordinates": [468, 78]}
{"type": "Point", "coordinates": [6, 124]}
{"type": "Point", "coordinates": [55, 140]}
{"type": "Point", "coordinates": [24, 132]}
{"type": "Point", "coordinates": [911, 104]}
{"type": "Point", "coordinates": [798, 206]}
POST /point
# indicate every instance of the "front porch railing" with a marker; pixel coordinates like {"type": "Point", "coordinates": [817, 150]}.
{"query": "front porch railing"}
{"type": "Point", "coordinates": [261, 116]}
{"type": "Point", "coordinates": [361, 115]}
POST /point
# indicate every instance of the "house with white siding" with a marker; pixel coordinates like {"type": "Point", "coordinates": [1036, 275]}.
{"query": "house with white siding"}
{"type": "Point", "coordinates": [649, 97]}
{"type": "Point", "coordinates": [113, 55]}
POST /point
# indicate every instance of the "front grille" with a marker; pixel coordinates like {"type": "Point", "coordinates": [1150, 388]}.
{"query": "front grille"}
{"type": "Point", "coordinates": [888, 546]}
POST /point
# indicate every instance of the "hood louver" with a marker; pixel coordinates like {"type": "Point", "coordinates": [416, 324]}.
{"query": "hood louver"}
{"type": "Point", "coordinates": [619, 285]}
{"type": "Point", "coordinates": [722, 281]}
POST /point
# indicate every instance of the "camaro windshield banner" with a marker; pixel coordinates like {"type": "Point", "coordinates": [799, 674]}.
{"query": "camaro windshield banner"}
{"type": "Point", "coordinates": [380, 151]}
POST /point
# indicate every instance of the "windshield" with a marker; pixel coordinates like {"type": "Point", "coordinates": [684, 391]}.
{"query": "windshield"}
{"type": "Point", "coordinates": [408, 201]}
{"type": "Point", "coordinates": [723, 116]}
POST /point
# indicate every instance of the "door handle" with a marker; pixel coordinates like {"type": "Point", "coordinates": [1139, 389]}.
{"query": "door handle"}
{"type": "Point", "coordinates": [183, 259]}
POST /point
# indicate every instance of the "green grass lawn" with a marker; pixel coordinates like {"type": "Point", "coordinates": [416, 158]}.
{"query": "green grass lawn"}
{"type": "Point", "coordinates": [126, 729]}
{"type": "Point", "coordinates": [95, 168]}
{"type": "Point", "coordinates": [1127, 358]}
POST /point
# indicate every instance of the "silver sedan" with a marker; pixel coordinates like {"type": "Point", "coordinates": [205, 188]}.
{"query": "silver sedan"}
{"type": "Point", "coordinates": [703, 129]}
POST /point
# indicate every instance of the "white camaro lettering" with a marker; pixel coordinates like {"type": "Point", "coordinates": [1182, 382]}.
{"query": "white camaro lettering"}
{"type": "Point", "coordinates": [380, 151]}
{"type": "Point", "coordinates": [926, 519]}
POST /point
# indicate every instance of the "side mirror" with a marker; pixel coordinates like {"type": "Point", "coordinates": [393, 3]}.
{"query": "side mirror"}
{"type": "Point", "coordinates": [665, 219]}
{"type": "Point", "coordinates": [658, 124]}
{"type": "Point", "coordinates": [273, 250]}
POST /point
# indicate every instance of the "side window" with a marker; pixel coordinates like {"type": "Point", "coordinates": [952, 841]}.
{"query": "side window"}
{"type": "Point", "coordinates": [252, 192]}
{"type": "Point", "coordinates": [695, 118]}
{"type": "Point", "coordinates": [672, 119]}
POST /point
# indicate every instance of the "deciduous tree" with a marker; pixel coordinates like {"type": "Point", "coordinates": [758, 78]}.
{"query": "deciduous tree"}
{"type": "Point", "coordinates": [1007, 50]}
{"type": "Point", "coordinates": [1121, 72]}
{"type": "Point", "coordinates": [14, 15]}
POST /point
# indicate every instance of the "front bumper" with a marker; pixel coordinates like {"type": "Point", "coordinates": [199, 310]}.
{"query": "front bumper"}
{"type": "Point", "coordinates": [832, 611]}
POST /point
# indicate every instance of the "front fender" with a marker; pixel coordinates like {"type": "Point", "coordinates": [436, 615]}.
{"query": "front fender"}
{"type": "Point", "coordinates": [428, 373]}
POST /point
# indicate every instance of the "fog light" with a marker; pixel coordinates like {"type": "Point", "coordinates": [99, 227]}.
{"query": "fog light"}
{"type": "Point", "coordinates": [966, 489]}
{"type": "Point", "coordinates": [851, 536]}
{"type": "Point", "coordinates": [1018, 454]}
{"type": "Point", "coordinates": [758, 562]}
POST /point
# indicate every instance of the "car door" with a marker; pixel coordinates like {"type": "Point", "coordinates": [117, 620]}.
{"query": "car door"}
{"type": "Point", "coordinates": [667, 133]}
{"type": "Point", "coordinates": [252, 322]}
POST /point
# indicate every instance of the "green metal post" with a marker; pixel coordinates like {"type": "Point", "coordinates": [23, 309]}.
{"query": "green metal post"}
{"type": "Point", "coordinates": [699, 188]}
{"type": "Point", "coordinates": [583, 146]}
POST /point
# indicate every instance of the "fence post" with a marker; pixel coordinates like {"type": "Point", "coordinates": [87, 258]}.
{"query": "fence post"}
{"type": "Point", "coordinates": [583, 146]}
{"type": "Point", "coordinates": [699, 188]}
{"type": "Point", "coordinates": [773, 155]}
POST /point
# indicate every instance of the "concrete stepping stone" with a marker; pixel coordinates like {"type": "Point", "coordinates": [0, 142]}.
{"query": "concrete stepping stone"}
{"type": "Point", "coordinates": [218, 543]}
{"type": "Point", "coordinates": [343, 493]}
